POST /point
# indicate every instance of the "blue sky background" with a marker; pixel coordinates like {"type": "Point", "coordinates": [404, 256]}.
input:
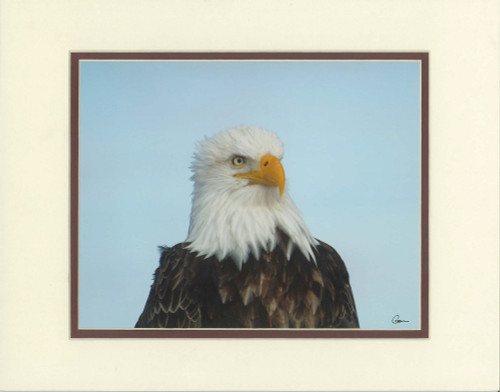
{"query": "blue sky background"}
{"type": "Point", "coordinates": [351, 131]}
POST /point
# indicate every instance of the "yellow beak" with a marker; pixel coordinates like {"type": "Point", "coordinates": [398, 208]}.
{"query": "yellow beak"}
{"type": "Point", "coordinates": [271, 173]}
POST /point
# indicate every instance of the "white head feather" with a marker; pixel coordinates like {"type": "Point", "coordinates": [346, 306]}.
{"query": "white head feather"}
{"type": "Point", "coordinates": [229, 218]}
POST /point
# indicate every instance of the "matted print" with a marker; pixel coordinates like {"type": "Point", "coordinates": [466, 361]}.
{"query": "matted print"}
{"type": "Point", "coordinates": [249, 195]}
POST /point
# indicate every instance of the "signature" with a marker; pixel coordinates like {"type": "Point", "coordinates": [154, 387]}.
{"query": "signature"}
{"type": "Point", "coordinates": [396, 320]}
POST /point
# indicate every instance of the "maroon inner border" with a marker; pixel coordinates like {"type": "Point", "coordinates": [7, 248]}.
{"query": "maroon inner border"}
{"type": "Point", "coordinates": [423, 332]}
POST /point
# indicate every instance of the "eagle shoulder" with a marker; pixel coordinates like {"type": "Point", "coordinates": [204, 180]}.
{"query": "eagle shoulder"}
{"type": "Point", "coordinates": [170, 303]}
{"type": "Point", "coordinates": [337, 302]}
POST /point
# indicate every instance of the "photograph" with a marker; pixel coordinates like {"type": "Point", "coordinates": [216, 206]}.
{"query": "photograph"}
{"type": "Point", "coordinates": [249, 196]}
{"type": "Point", "coordinates": [246, 194]}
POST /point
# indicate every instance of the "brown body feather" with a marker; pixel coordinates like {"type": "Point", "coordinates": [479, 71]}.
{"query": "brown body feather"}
{"type": "Point", "coordinates": [271, 292]}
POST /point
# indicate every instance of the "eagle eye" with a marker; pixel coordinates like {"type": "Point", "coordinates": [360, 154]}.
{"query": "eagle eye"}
{"type": "Point", "coordinates": [238, 161]}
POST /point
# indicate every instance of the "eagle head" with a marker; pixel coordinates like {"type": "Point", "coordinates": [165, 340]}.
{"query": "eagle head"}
{"type": "Point", "coordinates": [240, 201]}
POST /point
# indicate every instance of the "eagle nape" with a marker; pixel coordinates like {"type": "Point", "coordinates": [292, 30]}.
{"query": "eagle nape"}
{"type": "Point", "coordinates": [249, 260]}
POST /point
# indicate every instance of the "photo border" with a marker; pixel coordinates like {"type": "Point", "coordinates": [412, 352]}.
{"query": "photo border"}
{"type": "Point", "coordinates": [76, 332]}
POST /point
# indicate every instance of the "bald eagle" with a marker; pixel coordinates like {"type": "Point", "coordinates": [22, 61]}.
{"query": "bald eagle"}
{"type": "Point", "coordinates": [249, 261]}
